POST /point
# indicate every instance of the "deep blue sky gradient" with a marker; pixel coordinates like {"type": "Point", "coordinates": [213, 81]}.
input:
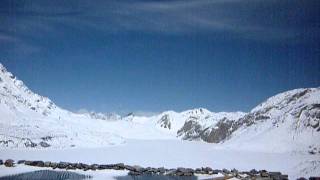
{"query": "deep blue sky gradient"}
{"type": "Point", "coordinates": [151, 56]}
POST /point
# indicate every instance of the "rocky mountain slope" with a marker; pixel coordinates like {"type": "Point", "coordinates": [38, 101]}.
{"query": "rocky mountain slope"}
{"type": "Point", "coordinates": [286, 122]}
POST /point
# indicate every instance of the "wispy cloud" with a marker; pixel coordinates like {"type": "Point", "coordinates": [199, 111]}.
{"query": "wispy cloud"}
{"type": "Point", "coordinates": [258, 20]}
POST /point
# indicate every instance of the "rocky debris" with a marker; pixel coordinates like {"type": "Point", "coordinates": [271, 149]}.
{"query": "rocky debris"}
{"type": "Point", "coordinates": [6, 143]}
{"type": "Point", "coordinates": [9, 163]}
{"type": "Point", "coordinates": [138, 170]}
{"type": "Point", "coordinates": [47, 164]}
{"type": "Point", "coordinates": [62, 165]}
{"type": "Point", "coordinates": [1, 162]}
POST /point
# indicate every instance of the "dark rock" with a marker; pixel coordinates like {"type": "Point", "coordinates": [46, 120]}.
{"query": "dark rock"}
{"type": "Point", "coordinates": [198, 170]}
{"type": "Point", "coordinates": [138, 168]}
{"type": "Point", "coordinates": [302, 178]}
{"type": "Point", "coordinates": [79, 166]}
{"type": "Point", "coordinates": [62, 165]}
{"type": "Point", "coordinates": [191, 130]}
{"type": "Point", "coordinates": [21, 161]}
{"type": "Point", "coordinates": [28, 163]}
{"type": "Point", "coordinates": [34, 163]}
{"type": "Point", "coordinates": [1, 162]}
{"type": "Point", "coordinates": [71, 166]}
{"type": "Point", "coordinates": [47, 164]}
{"type": "Point", "coordinates": [184, 171]}
{"type": "Point", "coordinates": [207, 169]}
{"type": "Point", "coordinates": [9, 163]}
{"type": "Point", "coordinates": [216, 171]}
{"type": "Point", "coordinates": [94, 167]}
{"type": "Point", "coordinates": [119, 166]}
{"type": "Point", "coordinates": [314, 178]}
{"type": "Point", "coordinates": [40, 163]}
{"type": "Point", "coordinates": [234, 171]}
{"type": "Point", "coordinates": [220, 132]}
{"type": "Point", "coordinates": [44, 144]}
{"type": "Point", "coordinates": [276, 175]}
{"type": "Point", "coordinates": [129, 168]}
{"type": "Point", "coordinates": [254, 171]}
{"type": "Point", "coordinates": [103, 166]}
{"type": "Point", "coordinates": [264, 173]}
{"type": "Point", "coordinates": [54, 165]}
{"type": "Point", "coordinates": [165, 121]}
{"type": "Point", "coordinates": [84, 166]}
{"type": "Point", "coordinates": [46, 138]}
{"type": "Point", "coordinates": [161, 170]}
{"type": "Point", "coordinates": [226, 171]}
{"type": "Point", "coordinates": [171, 172]}
{"type": "Point", "coordinates": [30, 144]}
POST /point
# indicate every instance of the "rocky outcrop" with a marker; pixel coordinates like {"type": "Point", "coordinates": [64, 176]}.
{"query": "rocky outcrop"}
{"type": "Point", "coordinates": [165, 121]}
{"type": "Point", "coordinates": [191, 130]}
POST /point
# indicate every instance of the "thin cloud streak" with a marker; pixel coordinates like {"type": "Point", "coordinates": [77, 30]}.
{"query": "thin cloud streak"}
{"type": "Point", "coordinates": [168, 18]}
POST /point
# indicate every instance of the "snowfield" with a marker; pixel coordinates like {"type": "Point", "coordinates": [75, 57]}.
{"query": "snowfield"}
{"type": "Point", "coordinates": [280, 134]}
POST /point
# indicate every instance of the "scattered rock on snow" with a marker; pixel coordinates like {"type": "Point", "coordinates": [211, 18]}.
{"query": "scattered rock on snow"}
{"type": "Point", "coordinates": [9, 163]}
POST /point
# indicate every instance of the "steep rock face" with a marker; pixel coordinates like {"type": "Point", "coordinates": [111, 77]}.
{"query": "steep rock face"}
{"type": "Point", "coordinates": [209, 127]}
{"type": "Point", "coordinates": [191, 130]}
{"type": "Point", "coordinates": [219, 132]}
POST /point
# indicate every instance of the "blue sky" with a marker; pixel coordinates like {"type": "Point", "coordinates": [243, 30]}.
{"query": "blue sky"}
{"type": "Point", "coordinates": [150, 56]}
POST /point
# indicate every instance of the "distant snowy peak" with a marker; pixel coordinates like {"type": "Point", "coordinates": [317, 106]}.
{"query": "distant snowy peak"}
{"type": "Point", "coordinates": [195, 124]}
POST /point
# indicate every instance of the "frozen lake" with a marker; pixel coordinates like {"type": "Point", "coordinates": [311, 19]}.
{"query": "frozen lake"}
{"type": "Point", "coordinates": [172, 154]}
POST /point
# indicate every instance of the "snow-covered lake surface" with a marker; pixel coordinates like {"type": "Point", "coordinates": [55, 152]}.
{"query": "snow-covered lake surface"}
{"type": "Point", "coordinates": [171, 154]}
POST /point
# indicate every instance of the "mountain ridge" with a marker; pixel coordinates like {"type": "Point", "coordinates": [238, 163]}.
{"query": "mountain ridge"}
{"type": "Point", "coordinates": [31, 120]}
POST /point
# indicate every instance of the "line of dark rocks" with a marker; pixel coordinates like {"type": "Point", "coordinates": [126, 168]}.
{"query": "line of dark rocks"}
{"type": "Point", "coordinates": [138, 170]}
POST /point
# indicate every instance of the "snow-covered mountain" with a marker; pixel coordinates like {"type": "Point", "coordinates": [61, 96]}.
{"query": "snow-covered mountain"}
{"type": "Point", "coordinates": [286, 122]}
